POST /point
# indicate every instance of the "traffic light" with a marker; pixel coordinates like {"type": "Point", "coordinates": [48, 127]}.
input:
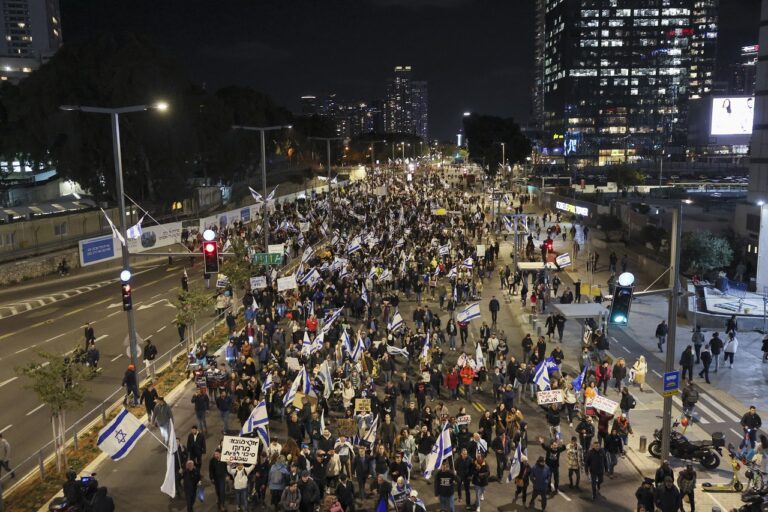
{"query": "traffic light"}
{"type": "Point", "coordinates": [211, 257]}
{"type": "Point", "coordinates": [622, 300]}
{"type": "Point", "coordinates": [127, 300]}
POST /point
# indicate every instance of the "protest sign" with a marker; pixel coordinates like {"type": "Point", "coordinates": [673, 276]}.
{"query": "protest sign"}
{"type": "Point", "coordinates": [464, 420]}
{"type": "Point", "coordinates": [603, 404]}
{"type": "Point", "coordinates": [553, 396]}
{"type": "Point", "coordinates": [258, 283]}
{"type": "Point", "coordinates": [362, 405]}
{"type": "Point", "coordinates": [240, 450]}
{"type": "Point", "coordinates": [347, 427]}
{"type": "Point", "coordinates": [286, 283]}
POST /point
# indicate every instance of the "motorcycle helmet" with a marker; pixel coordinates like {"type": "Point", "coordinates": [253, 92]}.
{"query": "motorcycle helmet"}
{"type": "Point", "coordinates": [749, 474]}
{"type": "Point", "coordinates": [684, 422]}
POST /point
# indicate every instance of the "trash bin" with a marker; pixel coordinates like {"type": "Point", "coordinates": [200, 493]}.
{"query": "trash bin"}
{"type": "Point", "coordinates": [643, 444]}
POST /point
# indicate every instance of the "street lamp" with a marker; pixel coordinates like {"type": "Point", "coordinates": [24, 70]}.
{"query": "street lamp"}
{"type": "Point", "coordinates": [114, 115]}
{"type": "Point", "coordinates": [330, 184]}
{"type": "Point", "coordinates": [262, 130]}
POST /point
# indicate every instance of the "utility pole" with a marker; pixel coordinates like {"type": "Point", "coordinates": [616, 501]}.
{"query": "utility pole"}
{"type": "Point", "coordinates": [674, 293]}
{"type": "Point", "coordinates": [330, 184]}
{"type": "Point", "coordinates": [262, 130]}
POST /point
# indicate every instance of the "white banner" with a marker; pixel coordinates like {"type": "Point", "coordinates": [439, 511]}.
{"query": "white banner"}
{"type": "Point", "coordinates": [286, 283]}
{"type": "Point", "coordinates": [554, 396]}
{"type": "Point", "coordinates": [464, 420]}
{"type": "Point", "coordinates": [240, 450]}
{"type": "Point", "coordinates": [153, 237]}
{"type": "Point", "coordinates": [602, 404]}
{"type": "Point", "coordinates": [258, 283]}
{"type": "Point", "coordinates": [276, 249]}
{"type": "Point", "coordinates": [480, 251]}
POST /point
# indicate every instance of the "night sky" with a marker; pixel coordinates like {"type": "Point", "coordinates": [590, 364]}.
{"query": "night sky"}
{"type": "Point", "coordinates": [475, 54]}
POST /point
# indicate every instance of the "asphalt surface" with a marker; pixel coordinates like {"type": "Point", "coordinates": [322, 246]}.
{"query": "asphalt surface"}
{"type": "Point", "coordinates": [58, 327]}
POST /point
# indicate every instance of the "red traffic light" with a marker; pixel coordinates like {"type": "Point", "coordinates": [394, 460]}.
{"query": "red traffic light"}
{"type": "Point", "coordinates": [209, 247]}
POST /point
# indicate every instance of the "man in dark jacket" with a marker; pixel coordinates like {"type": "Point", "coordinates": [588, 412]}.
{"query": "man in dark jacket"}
{"type": "Point", "coordinates": [661, 334]}
{"type": "Point", "coordinates": [540, 475]}
{"type": "Point", "coordinates": [196, 446]}
{"type": "Point", "coordinates": [668, 496]}
{"type": "Point", "coordinates": [345, 492]}
{"type": "Point", "coordinates": [361, 467]}
{"type": "Point", "coordinates": [217, 472]}
{"type": "Point", "coordinates": [501, 446]}
{"type": "Point", "coordinates": [645, 495]}
{"type": "Point", "coordinates": [553, 451]}
{"type": "Point", "coordinates": [445, 481]}
{"type": "Point", "coordinates": [190, 477]}
{"type": "Point", "coordinates": [494, 307]}
{"type": "Point", "coordinates": [686, 362]}
{"type": "Point", "coordinates": [706, 361]}
{"type": "Point", "coordinates": [594, 465]}
{"type": "Point", "coordinates": [463, 466]}
{"type": "Point", "coordinates": [310, 493]}
{"type": "Point", "coordinates": [716, 346]}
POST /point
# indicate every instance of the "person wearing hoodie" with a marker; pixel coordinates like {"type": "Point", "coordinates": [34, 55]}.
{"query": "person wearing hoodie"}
{"type": "Point", "coordinates": [277, 480]}
{"type": "Point", "coordinates": [240, 476]}
{"type": "Point", "coordinates": [310, 493]}
{"type": "Point", "coordinates": [290, 498]}
{"type": "Point", "coordinates": [101, 501]}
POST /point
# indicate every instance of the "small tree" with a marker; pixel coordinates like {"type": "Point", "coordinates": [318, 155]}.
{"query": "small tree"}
{"type": "Point", "coordinates": [237, 268]}
{"type": "Point", "coordinates": [58, 383]}
{"type": "Point", "coordinates": [702, 252]}
{"type": "Point", "coordinates": [189, 306]}
{"type": "Point", "coordinates": [625, 176]}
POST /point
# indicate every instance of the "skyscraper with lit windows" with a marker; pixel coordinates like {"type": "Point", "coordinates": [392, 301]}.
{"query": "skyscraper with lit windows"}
{"type": "Point", "coordinates": [30, 33]}
{"type": "Point", "coordinates": [617, 74]}
{"type": "Point", "coordinates": [406, 104]}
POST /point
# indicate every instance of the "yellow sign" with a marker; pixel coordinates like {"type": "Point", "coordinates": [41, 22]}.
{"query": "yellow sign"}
{"type": "Point", "coordinates": [440, 212]}
{"type": "Point", "coordinates": [362, 405]}
{"type": "Point", "coordinates": [673, 392]}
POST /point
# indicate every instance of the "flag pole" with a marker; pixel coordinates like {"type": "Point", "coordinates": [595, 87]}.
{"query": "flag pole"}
{"type": "Point", "coordinates": [158, 439]}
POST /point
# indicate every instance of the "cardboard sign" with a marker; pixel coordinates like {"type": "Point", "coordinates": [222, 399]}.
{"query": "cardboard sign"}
{"type": "Point", "coordinates": [603, 404]}
{"type": "Point", "coordinates": [293, 363]}
{"type": "Point", "coordinates": [258, 283]}
{"type": "Point", "coordinates": [347, 427]}
{"type": "Point", "coordinates": [553, 396]}
{"type": "Point", "coordinates": [243, 450]}
{"type": "Point", "coordinates": [362, 405]}
{"type": "Point", "coordinates": [464, 420]}
{"type": "Point", "coordinates": [286, 283]}
{"type": "Point", "coordinates": [480, 251]}
{"type": "Point", "coordinates": [298, 401]}
{"type": "Point", "coordinates": [222, 281]}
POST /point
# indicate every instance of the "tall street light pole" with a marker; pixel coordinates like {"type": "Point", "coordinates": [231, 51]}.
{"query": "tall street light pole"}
{"type": "Point", "coordinates": [330, 185]}
{"type": "Point", "coordinates": [262, 130]}
{"type": "Point", "coordinates": [114, 115]}
{"type": "Point", "coordinates": [674, 294]}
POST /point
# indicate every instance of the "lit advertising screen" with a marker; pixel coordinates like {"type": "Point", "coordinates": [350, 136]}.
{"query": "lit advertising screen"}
{"type": "Point", "coordinates": [732, 116]}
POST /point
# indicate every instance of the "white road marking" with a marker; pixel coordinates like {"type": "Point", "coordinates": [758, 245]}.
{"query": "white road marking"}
{"type": "Point", "coordinates": [709, 412]}
{"type": "Point", "coordinates": [564, 496]}
{"type": "Point", "coordinates": [5, 428]}
{"type": "Point", "coordinates": [656, 373]}
{"type": "Point", "coordinates": [156, 295]}
{"type": "Point", "coordinates": [614, 340]}
{"type": "Point", "coordinates": [160, 329]}
{"type": "Point", "coordinates": [45, 364]}
{"type": "Point", "coordinates": [55, 337]}
{"type": "Point", "coordinates": [7, 381]}
{"type": "Point", "coordinates": [625, 348]}
{"type": "Point", "coordinates": [679, 405]}
{"type": "Point", "coordinates": [33, 411]}
{"type": "Point", "coordinates": [116, 357]}
{"type": "Point", "coordinates": [740, 435]}
{"type": "Point", "coordinates": [728, 414]}
{"type": "Point", "coordinates": [112, 314]}
{"type": "Point", "coordinates": [102, 337]}
{"type": "Point", "coordinates": [22, 350]}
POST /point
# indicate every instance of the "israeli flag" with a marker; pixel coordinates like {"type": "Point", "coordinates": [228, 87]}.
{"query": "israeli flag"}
{"type": "Point", "coordinates": [514, 464]}
{"type": "Point", "coordinates": [467, 263]}
{"type": "Point", "coordinates": [256, 196]}
{"type": "Point", "coordinates": [364, 294]}
{"type": "Point", "coordinates": [119, 436]}
{"type": "Point", "coordinates": [325, 377]}
{"type": "Point", "coordinates": [393, 350]}
{"type": "Point", "coordinates": [332, 318]}
{"type": "Point", "coordinates": [396, 322]}
{"type": "Point", "coordinates": [453, 272]}
{"type": "Point", "coordinates": [134, 232]}
{"type": "Point", "coordinates": [115, 232]}
{"type": "Point", "coordinates": [372, 273]}
{"type": "Point", "coordinates": [370, 436]}
{"type": "Point", "coordinates": [578, 382]}
{"type": "Point", "coordinates": [385, 276]}
{"type": "Point", "coordinates": [271, 195]}
{"type": "Point", "coordinates": [346, 342]}
{"type": "Point", "coordinates": [291, 394]}
{"type": "Point", "coordinates": [541, 376]}
{"type": "Point", "coordinates": [317, 343]}
{"type": "Point", "coordinates": [425, 348]}
{"type": "Point", "coordinates": [311, 277]}
{"type": "Point", "coordinates": [469, 313]}
{"type": "Point", "coordinates": [306, 343]}
{"type": "Point", "coordinates": [444, 250]}
{"type": "Point", "coordinates": [357, 352]}
{"type": "Point", "coordinates": [267, 385]}
{"type": "Point", "coordinates": [508, 224]}
{"type": "Point", "coordinates": [308, 252]}
{"type": "Point", "coordinates": [258, 421]}
{"type": "Point", "coordinates": [479, 357]}
{"type": "Point", "coordinates": [441, 451]}
{"type": "Point", "coordinates": [354, 246]}
{"type": "Point", "coordinates": [344, 273]}
{"type": "Point", "coordinates": [551, 365]}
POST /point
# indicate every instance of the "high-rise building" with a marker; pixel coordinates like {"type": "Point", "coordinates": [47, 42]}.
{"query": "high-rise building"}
{"type": "Point", "coordinates": [30, 33]}
{"type": "Point", "coordinates": [743, 72]}
{"type": "Point", "coordinates": [309, 105]}
{"type": "Point", "coordinates": [539, 44]}
{"type": "Point", "coordinates": [406, 106]}
{"type": "Point", "coordinates": [349, 118]}
{"type": "Point", "coordinates": [618, 74]}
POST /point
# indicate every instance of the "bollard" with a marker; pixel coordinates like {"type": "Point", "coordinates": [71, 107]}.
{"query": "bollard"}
{"type": "Point", "coordinates": [643, 444]}
{"type": "Point", "coordinates": [40, 461]}
{"type": "Point", "coordinates": [538, 330]}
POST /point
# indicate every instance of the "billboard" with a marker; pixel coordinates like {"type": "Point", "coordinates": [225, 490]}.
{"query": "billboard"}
{"type": "Point", "coordinates": [732, 115]}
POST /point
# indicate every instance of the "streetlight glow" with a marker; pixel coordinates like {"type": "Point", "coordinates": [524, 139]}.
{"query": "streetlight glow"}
{"type": "Point", "coordinates": [162, 106]}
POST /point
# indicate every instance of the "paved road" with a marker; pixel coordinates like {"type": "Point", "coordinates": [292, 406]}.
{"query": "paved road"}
{"type": "Point", "coordinates": [58, 327]}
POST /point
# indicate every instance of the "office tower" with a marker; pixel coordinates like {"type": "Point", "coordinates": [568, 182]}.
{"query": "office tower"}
{"type": "Point", "coordinates": [539, 42]}
{"type": "Point", "coordinates": [309, 105]}
{"type": "Point", "coordinates": [406, 105]}
{"type": "Point", "coordinates": [30, 33]}
{"type": "Point", "coordinates": [743, 72]}
{"type": "Point", "coordinates": [618, 74]}
{"type": "Point", "coordinates": [419, 104]}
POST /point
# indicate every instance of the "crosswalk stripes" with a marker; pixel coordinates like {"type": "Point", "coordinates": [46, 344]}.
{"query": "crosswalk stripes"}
{"type": "Point", "coordinates": [709, 412]}
{"type": "Point", "coordinates": [17, 308]}
{"type": "Point", "coordinates": [725, 412]}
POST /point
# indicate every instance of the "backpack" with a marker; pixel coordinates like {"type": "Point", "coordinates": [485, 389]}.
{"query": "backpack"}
{"type": "Point", "coordinates": [632, 402]}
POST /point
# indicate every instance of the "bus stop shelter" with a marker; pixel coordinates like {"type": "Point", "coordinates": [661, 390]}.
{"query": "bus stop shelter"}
{"type": "Point", "coordinates": [581, 313]}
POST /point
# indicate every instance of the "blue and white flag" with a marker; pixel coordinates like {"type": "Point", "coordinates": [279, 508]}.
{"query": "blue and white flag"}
{"type": "Point", "coordinates": [311, 277]}
{"type": "Point", "coordinates": [357, 352]}
{"type": "Point", "coordinates": [514, 464]}
{"type": "Point", "coordinates": [354, 246]}
{"type": "Point", "coordinates": [308, 252]}
{"type": "Point", "coordinates": [386, 275]}
{"type": "Point", "coordinates": [394, 351]}
{"type": "Point", "coordinates": [396, 322]}
{"type": "Point", "coordinates": [332, 318]}
{"type": "Point", "coordinates": [541, 376]}
{"type": "Point", "coordinates": [364, 293]}
{"type": "Point", "coordinates": [316, 344]}
{"type": "Point", "coordinates": [271, 195]}
{"type": "Point", "coordinates": [508, 224]}
{"type": "Point", "coordinates": [267, 385]}
{"type": "Point", "coordinates": [119, 436]}
{"type": "Point", "coordinates": [306, 384]}
{"type": "Point", "coordinates": [444, 250]}
{"type": "Point", "coordinates": [346, 342]}
{"type": "Point", "coordinates": [469, 313]}
{"type": "Point", "coordinates": [256, 196]}
{"type": "Point", "coordinates": [291, 394]}
{"type": "Point", "coordinates": [258, 422]}
{"type": "Point", "coordinates": [441, 451]}
{"type": "Point", "coordinates": [134, 232]}
{"type": "Point", "coordinates": [453, 272]}
{"type": "Point", "coordinates": [370, 436]}
{"type": "Point", "coordinates": [551, 365]}
{"type": "Point", "coordinates": [306, 344]}
{"type": "Point", "coordinates": [115, 232]}
{"type": "Point", "coordinates": [479, 357]}
{"type": "Point", "coordinates": [325, 377]}
{"type": "Point", "coordinates": [425, 348]}
{"type": "Point", "coordinates": [578, 382]}
{"type": "Point", "coordinates": [468, 263]}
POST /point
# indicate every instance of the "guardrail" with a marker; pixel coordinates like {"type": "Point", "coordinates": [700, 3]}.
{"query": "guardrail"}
{"type": "Point", "coordinates": [34, 466]}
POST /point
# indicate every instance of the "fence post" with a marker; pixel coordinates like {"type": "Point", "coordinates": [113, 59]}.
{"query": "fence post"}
{"type": "Point", "coordinates": [74, 439]}
{"type": "Point", "coordinates": [41, 463]}
{"type": "Point", "coordinates": [103, 412]}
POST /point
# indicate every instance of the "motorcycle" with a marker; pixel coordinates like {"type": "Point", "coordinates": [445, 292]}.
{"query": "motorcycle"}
{"type": "Point", "coordinates": [706, 452]}
{"type": "Point", "coordinates": [85, 487]}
